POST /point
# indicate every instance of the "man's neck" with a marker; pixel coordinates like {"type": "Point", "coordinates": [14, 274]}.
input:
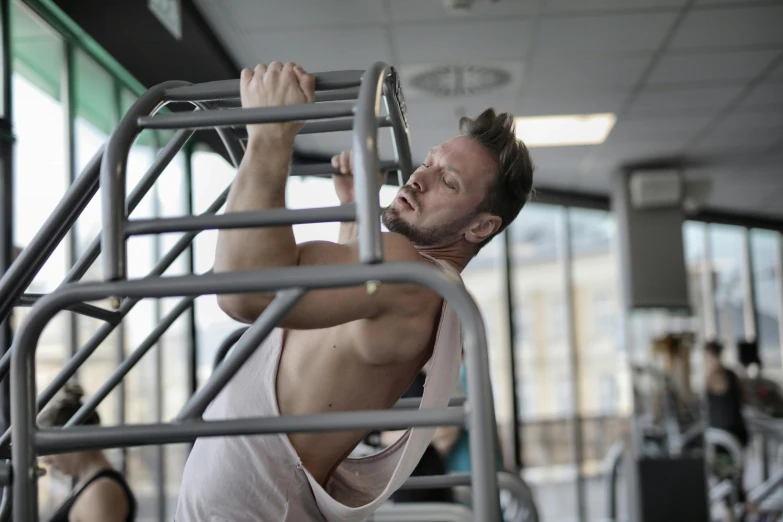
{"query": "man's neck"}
{"type": "Point", "coordinates": [457, 255]}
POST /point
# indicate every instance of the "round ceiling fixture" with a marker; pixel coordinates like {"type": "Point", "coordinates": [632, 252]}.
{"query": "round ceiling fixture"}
{"type": "Point", "coordinates": [460, 80]}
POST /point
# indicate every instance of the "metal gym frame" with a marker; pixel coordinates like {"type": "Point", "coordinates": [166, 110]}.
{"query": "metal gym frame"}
{"type": "Point", "coordinates": [345, 100]}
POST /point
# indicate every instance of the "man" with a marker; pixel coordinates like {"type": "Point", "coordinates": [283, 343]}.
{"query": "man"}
{"type": "Point", "coordinates": [344, 349]}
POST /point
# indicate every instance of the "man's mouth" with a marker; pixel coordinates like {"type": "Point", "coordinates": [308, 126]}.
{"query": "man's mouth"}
{"type": "Point", "coordinates": [405, 202]}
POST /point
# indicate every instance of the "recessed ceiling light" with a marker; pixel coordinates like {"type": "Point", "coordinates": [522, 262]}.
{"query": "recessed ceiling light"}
{"type": "Point", "coordinates": [565, 130]}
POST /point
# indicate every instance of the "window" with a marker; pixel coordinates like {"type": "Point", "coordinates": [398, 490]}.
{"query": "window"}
{"type": "Point", "coordinates": [564, 399]}
{"type": "Point", "coordinates": [524, 326]}
{"type": "Point", "coordinates": [726, 247]}
{"type": "Point", "coordinates": [603, 315]}
{"type": "Point", "coordinates": [607, 394]}
{"type": "Point", "coordinates": [765, 246]}
{"type": "Point", "coordinates": [40, 180]}
{"type": "Point", "coordinates": [557, 320]}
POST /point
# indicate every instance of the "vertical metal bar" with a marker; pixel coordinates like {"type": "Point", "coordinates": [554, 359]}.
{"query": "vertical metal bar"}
{"type": "Point", "coordinates": [113, 179]}
{"type": "Point", "coordinates": [779, 288]}
{"type": "Point", "coordinates": [480, 414]}
{"type": "Point", "coordinates": [192, 359]}
{"type": "Point", "coordinates": [367, 163]}
{"type": "Point", "coordinates": [6, 201]}
{"type": "Point", "coordinates": [514, 363]}
{"type": "Point", "coordinates": [23, 413]}
{"type": "Point", "coordinates": [708, 290]}
{"type": "Point", "coordinates": [121, 348]}
{"type": "Point", "coordinates": [748, 289]}
{"type": "Point", "coordinates": [400, 135]}
{"type": "Point", "coordinates": [68, 96]}
{"type": "Point", "coordinates": [268, 320]}
{"type": "Point", "coordinates": [564, 233]}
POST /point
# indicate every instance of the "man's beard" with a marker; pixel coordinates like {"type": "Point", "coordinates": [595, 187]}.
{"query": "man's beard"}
{"type": "Point", "coordinates": [423, 236]}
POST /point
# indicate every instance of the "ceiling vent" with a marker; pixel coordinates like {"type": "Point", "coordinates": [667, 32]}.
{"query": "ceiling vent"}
{"type": "Point", "coordinates": [460, 80]}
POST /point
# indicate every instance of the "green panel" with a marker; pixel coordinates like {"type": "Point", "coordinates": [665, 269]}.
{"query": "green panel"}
{"type": "Point", "coordinates": [94, 93]}
{"type": "Point", "coordinates": [37, 50]}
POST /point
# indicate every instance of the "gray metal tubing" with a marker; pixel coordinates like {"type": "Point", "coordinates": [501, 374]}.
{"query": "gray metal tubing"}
{"type": "Point", "coordinates": [422, 512]}
{"type": "Point", "coordinates": [311, 277]}
{"type": "Point", "coordinates": [320, 96]}
{"type": "Point", "coordinates": [614, 459]}
{"type": "Point", "coordinates": [400, 133]}
{"type": "Point", "coordinates": [88, 310]}
{"type": "Point", "coordinates": [23, 270]}
{"type": "Point", "coordinates": [137, 194]}
{"type": "Point", "coordinates": [438, 481]}
{"type": "Point", "coordinates": [249, 219]}
{"type": "Point", "coordinates": [228, 118]}
{"type": "Point", "coordinates": [221, 89]}
{"type": "Point", "coordinates": [320, 169]}
{"type": "Point", "coordinates": [367, 165]}
{"type": "Point", "coordinates": [5, 505]}
{"type": "Point", "coordinates": [5, 473]}
{"type": "Point", "coordinates": [122, 370]}
{"type": "Point", "coordinates": [113, 176]}
{"type": "Point", "coordinates": [227, 344]}
{"type": "Point", "coordinates": [415, 402]}
{"type": "Point", "coordinates": [317, 127]}
{"type": "Point", "coordinates": [80, 438]}
{"type": "Point", "coordinates": [283, 302]}
{"type": "Point", "coordinates": [98, 337]}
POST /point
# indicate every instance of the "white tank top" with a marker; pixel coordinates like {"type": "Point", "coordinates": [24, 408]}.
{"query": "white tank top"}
{"type": "Point", "coordinates": [261, 478]}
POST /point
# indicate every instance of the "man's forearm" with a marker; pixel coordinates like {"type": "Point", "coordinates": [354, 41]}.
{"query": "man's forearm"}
{"type": "Point", "coordinates": [348, 232]}
{"type": "Point", "coordinates": [259, 185]}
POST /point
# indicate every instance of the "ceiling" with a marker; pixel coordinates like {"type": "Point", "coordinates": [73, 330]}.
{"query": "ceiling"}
{"type": "Point", "coordinates": [695, 83]}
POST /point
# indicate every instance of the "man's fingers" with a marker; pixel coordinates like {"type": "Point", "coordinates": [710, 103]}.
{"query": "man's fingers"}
{"type": "Point", "coordinates": [345, 162]}
{"type": "Point", "coordinates": [336, 161]}
{"type": "Point", "coordinates": [275, 67]}
{"type": "Point", "coordinates": [261, 69]}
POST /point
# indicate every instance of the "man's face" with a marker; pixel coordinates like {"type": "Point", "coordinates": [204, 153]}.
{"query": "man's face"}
{"type": "Point", "coordinates": [438, 204]}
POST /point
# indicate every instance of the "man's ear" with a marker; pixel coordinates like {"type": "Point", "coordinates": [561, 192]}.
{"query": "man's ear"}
{"type": "Point", "coordinates": [482, 227]}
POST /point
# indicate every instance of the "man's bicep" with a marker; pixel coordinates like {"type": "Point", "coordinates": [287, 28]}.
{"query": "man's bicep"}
{"type": "Point", "coordinates": [333, 306]}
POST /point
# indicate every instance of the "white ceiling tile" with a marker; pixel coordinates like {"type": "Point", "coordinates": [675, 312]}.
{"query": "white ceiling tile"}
{"type": "Point", "coordinates": [673, 101]}
{"type": "Point", "coordinates": [726, 143]}
{"type": "Point", "coordinates": [433, 10]}
{"type": "Point", "coordinates": [562, 157]}
{"type": "Point", "coordinates": [317, 50]}
{"type": "Point", "coordinates": [767, 94]}
{"type": "Point", "coordinates": [540, 101]}
{"type": "Point", "coordinates": [587, 71]}
{"type": "Point", "coordinates": [777, 73]}
{"type": "Point", "coordinates": [565, 6]}
{"type": "Point", "coordinates": [445, 113]}
{"type": "Point", "coordinates": [644, 130]}
{"type": "Point", "coordinates": [708, 3]}
{"type": "Point", "coordinates": [275, 15]}
{"type": "Point", "coordinates": [730, 27]}
{"type": "Point", "coordinates": [710, 67]}
{"type": "Point", "coordinates": [770, 121]}
{"type": "Point", "coordinates": [462, 42]}
{"type": "Point", "coordinates": [608, 34]}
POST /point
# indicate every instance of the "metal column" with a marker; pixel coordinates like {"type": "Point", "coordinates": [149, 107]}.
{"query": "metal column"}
{"type": "Point", "coordinates": [748, 290]}
{"type": "Point", "coordinates": [564, 236]}
{"type": "Point", "coordinates": [513, 361]}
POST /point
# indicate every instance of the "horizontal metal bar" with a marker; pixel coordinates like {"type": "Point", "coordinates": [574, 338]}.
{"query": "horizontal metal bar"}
{"type": "Point", "coordinates": [87, 310]}
{"type": "Point", "coordinates": [231, 117]}
{"type": "Point", "coordinates": [52, 441]}
{"type": "Point", "coordinates": [217, 90]}
{"type": "Point", "coordinates": [415, 402]}
{"type": "Point", "coordinates": [326, 169]}
{"type": "Point", "coordinates": [263, 218]}
{"type": "Point", "coordinates": [317, 127]}
{"type": "Point", "coordinates": [437, 481]}
{"type": "Point", "coordinates": [320, 96]}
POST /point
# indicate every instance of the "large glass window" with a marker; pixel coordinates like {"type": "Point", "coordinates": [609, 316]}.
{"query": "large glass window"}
{"type": "Point", "coordinates": [40, 179]}
{"type": "Point", "coordinates": [542, 359]}
{"type": "Point", "coordinates": [484, 279]}
{"type": "Point", "coordinates": [726, 248]}
{"type": "Point", "coordinates": [765, 246]}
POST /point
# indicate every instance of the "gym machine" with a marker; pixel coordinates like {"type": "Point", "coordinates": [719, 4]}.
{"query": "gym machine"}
{"type": "Point", "coordinates": [345, 100]}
